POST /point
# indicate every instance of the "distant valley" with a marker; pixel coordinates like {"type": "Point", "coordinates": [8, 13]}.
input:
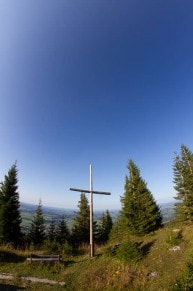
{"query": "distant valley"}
{"type": "Point", "coordinates": [28, 211]}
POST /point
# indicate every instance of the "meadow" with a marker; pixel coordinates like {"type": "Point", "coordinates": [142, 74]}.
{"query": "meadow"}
{"type": "Point", "coordinates": [161, 267]}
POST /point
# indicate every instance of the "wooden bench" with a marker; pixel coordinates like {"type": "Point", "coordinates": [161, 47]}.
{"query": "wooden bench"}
{"type": "Point", "coordinates": [43, 258]}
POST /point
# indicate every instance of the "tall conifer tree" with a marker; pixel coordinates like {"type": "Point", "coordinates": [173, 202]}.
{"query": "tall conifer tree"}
{"type": "Point", "coordinates": [139, 209]}
{"type": "Point", "coordinates": [37, 231]}
{"type": "Point", "coordinates": [81, 226]}
{"type": "Point", "coordinates": [183, 180]}
{"type": "Point", "coordinates": [10, 218]}
{"type": "Point", "coordinates": [62, 231]}
{"type": "Point", "coordinates": [105, 226]}
{"type": "Point", "coordinates": [51, 236]}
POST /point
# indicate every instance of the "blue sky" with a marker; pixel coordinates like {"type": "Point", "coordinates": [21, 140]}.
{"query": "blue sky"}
{"type": "Point", "coordinates": [96, 82]}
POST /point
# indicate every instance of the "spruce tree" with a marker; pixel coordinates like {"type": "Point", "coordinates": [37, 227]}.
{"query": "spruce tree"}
{"type": "Point", "coordinates": [37, 231]}
{"type": "Point", "coordinates": [81, 226]}
{"type": "Point", "coordinates": [139, 209]}
{"type": "Point", "coordinates": [105, 226]}
{"type": "Point", "coordinates": [10, 218]}
{"type": "Point", "coordinates": [183, 180]}
{"type": "Point", "coordinates": [62, 232]}
{"type": "Point", "coordinates": [51, 236]}
{"type": "Point", "coordinates": [119, 231]}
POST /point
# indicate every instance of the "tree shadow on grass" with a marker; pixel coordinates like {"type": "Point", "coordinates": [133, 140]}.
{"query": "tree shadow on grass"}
{"type": "Point", "coordinates": [9, 257]}
{"type": "Point", "coordinates": [72, 262]}
{"type": "Point", "coordinates": [146, 248]}
{"type": "Point", "coordinates": [67, 263]}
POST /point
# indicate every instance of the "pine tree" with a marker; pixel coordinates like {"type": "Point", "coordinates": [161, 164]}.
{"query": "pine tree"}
{"type": "Point", "coordinates": [37, 231]}
{"type": "Point", "coordinates": [105, 226]}
{"type": "Point", "coordinates": [62, 232]}
{"type": "Point", "coordinates": [10, 218]}
{"type": "Point", "coordinates": [51, 236]}
{"type": "Point", "coordinates": [119, 231]}
{"type": "Point", "coordinates": [183, 180]}
{"type": "Point", "coordinates": [81, 226]}
{"type": "Point", "coordinates": [139, 209]}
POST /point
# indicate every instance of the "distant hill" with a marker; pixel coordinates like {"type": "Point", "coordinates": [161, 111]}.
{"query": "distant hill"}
{"type": "Point", "coordinates": [167, 210]}
{"type": "Point", "coordinates": [28, 210]}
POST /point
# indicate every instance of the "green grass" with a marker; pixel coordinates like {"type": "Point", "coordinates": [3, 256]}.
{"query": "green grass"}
{"type": "Point", "coordinates": [104, 272]}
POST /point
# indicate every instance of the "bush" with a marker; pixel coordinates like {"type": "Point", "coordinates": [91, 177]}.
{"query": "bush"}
{"type": "Point", "coordinates": [186, 281]}
{"type": "Point", "coordinates": [128, 252]}
{"type": "Point", "coordinates": [110, 251]}
{"type": "Point", "coordinates": [51, 247]}
{"type": "Point", "coordinates": [66, 249]}
{"type": "Point", "coordinates": [174, 237]}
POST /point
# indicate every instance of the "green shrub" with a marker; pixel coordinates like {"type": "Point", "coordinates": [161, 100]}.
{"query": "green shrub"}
{"type": "Point", "coordinates": [186, 281]}
{"type": "Point", "coordinates": [66, 249]}
{"type": "Point", "coordinates": [128, 252]}
{"type": "Point", "coordinates": [174, 237]}
{"type": "Point", "coordinates": [51, 247]}
{"type": "Point", "coordinates": [110, 251]}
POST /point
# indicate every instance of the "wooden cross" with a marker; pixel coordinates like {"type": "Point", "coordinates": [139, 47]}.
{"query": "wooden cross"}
{"type": "Point", "coordinates": [91, 191]}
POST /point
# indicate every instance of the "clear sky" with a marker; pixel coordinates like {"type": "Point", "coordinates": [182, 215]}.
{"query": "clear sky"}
{"type": "Point", "coordinates": [94, 81]}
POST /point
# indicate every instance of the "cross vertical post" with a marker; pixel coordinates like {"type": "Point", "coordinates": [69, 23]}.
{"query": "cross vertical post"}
{"type": "Point", "coordinates": [91, 191]}
{"type": "Point", "coordinates": [91, 215]}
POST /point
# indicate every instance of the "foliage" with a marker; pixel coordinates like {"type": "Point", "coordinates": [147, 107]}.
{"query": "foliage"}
{"type": "Point", "coordinates": [51, 235]}
{"type": "Point", "coordinates": [109, 251]}
{"type": "Point", "coordinates": [186, 280]}
{"type": "Point", "coordinates": [66, 250]}
{"type": "Point", "coordinates": [128, 252]}
{"type": "Point", "coordinates": [56, 248]}
{"type": "Point", "coordinates": [62, 232]}
{"type": "Point", "coordinates": [81, 226]}
{"type": "Point", "coordinates": [119, 231]}
{"type": "Point", "coordinates": [57, 238]}
{"type": "Point", "coordinates": [37, 231]}
{"type": "Point", "coordinates": [174, 237]}
{"type": "Point", "coordinates": [51, 247]}
{"type": "Point", "coordinates": [139, 209]}
{"type": "Point", "coordinates": [105, 226]}
{"type": "Point", "coordinates": [183, 181]}
{"type": "Point", "coordinates": [10, 219]}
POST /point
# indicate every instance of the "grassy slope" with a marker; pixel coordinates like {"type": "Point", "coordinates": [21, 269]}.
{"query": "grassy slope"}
{"type": "Point", "coordinates": [107, 273]}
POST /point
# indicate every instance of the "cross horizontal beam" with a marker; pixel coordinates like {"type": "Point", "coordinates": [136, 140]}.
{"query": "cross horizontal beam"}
{"type": "Point", "coordinates": [88, 191]}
